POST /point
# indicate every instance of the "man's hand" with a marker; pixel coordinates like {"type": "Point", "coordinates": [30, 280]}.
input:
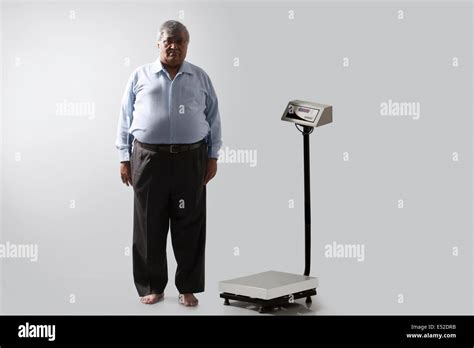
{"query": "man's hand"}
{"type": "Point", "coordinates": [211, 169]}
{"type": "Point", "coordinates": [126, 173]}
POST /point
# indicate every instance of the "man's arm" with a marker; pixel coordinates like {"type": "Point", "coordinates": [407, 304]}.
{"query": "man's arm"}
{"type": "Point", "coordinates": [214, 138]}
{"type": "Point", "coordinates": [124, 139]}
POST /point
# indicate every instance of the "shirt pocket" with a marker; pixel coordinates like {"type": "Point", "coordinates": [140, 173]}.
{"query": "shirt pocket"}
{"type": "Point", "coordinates": [192, 97]}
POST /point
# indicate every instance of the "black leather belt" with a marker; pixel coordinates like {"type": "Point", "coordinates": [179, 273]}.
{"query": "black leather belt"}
{"type": "Point", "coordinates": [171, 148]}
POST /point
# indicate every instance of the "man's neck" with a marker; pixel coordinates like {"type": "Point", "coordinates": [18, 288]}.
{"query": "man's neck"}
{"type": "Point", "coordinates": [171, 70]}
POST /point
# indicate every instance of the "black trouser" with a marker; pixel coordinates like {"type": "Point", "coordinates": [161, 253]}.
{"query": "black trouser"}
{"type": "Point", "coordinates": [168, 187]}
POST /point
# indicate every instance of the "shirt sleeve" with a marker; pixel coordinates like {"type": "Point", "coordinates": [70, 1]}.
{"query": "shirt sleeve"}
{"type": "Point", "coordinates": [124, 139]}
{"type": "Point", "coordinates": [214, 140]}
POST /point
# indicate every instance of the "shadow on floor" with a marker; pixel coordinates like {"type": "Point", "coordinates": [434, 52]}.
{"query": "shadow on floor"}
{"type": "Point", "coordinates": [295, 308]}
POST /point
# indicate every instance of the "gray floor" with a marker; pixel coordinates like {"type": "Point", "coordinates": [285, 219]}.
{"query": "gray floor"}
{"type": "Point", "coordinates": [109, 295]}
{"type": "Point", "coordinates": [211, 304]}
{"type": "Point", "coordinates": [89, 300]}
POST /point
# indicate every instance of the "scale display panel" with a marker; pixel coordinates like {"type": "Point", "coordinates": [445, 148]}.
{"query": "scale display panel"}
{"type": "Point", "coordinates": [307, 113]}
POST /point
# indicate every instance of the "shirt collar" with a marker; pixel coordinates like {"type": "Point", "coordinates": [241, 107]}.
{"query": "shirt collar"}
{"type": "Point", "coordinates": [157, 66]}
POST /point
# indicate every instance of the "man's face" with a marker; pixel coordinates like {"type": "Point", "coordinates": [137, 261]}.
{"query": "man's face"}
{"type": "Point", "coordinates": [173, 49]}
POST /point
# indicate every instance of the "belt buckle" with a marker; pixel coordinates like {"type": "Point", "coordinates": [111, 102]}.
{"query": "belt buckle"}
{"type": "Point", "coordinates": [171, 148]}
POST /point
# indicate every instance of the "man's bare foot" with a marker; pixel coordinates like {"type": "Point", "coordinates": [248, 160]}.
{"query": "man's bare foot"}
{"type": "Point", "coordinates": [189, 300]}
{"type": "Point", "coordinates": [152, 298]}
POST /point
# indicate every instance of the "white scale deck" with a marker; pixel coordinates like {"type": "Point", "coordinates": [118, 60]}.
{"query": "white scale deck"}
{"type": "Point", "coordinates": [268, 285]}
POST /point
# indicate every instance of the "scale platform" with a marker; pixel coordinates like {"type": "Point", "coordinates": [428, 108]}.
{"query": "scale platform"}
{"type": "Point", "coordinates": [269, 289]}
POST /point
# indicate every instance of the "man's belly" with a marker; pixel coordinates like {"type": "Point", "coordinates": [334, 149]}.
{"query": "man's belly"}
{"type": "Point", "coordinates": [174, 129]}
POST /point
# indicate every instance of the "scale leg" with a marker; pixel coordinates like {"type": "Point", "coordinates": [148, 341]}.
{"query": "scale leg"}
{"type": "Point", "coordinates": [226, 302]}
{"type": "Point", "coordinates": [308, 299]}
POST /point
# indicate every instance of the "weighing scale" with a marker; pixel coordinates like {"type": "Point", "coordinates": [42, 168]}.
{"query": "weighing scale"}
{"type": "Point", "coordinates": [274, 289]}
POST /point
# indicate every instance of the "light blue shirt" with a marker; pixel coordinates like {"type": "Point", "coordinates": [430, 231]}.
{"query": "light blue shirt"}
{"type": "Point", "coordinates": [158, 110]}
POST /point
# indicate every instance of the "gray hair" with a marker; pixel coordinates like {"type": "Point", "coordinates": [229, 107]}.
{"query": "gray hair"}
{"type": "Point", "coordinates": [173, 27]}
